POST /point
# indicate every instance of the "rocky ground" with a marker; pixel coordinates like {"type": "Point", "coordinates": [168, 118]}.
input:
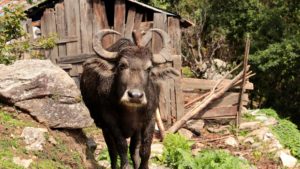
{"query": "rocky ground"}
{"type": "Point", "coordinates": [25, 143]}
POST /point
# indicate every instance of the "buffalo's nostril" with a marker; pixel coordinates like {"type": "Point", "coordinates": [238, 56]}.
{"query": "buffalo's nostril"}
{"type": "Point", "coordinates": [135, 94]}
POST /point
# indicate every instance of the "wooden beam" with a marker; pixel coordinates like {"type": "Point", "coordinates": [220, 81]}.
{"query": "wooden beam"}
{"type": "Point", "coordinates": [75, 58]}
{"type": "Point", "coordinates": [205, 84]}
{"type": "Point", "coordinates": [218, 112]}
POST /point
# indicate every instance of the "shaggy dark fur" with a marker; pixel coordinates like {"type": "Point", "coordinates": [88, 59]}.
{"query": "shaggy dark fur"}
{"type": "Point", "coordinates": [122, 97]}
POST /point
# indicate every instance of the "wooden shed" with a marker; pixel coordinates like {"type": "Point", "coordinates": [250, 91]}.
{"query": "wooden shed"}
{"type": "Point", "coordinates": [75, 22]}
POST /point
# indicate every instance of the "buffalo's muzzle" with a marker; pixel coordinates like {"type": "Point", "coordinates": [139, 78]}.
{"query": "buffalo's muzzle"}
{"type": "Point", "coordinates": [134, 97]}
{"type": "Point", "coordinates": [135, 94]}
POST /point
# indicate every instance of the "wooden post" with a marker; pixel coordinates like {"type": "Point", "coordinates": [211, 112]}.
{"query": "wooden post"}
{"type": "Point", "coordinates": [245, 65]}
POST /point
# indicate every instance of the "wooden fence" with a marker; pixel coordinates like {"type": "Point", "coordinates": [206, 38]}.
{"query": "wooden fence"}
{"type": "Point", "coordinates": [225, 107]}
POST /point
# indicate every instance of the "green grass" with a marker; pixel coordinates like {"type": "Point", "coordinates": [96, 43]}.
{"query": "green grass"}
{"type": "Point", "coordinates": [248, 117]}
{"type": "Point", "coordinates": [288, 135]}
{"type": "Point", "coordinates": [177, 154]}
{"type": "Point", "coordinates": [49, 164]}
{"type": "Point", "coordinates": [7, 120]}
{"type": "Point", "coordinates": [286, 132]}
{"type": "Point", "coordinates": [59, 156]}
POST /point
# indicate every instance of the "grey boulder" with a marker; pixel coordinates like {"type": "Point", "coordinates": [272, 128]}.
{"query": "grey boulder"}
{"type": "Point", "coordinates": [45, 91]}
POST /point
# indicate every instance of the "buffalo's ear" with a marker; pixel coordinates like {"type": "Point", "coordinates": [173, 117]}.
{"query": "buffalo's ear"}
{"type": "Point", "coordinates": [99, 66]}
{"type": "Point", "coordinates": [164, 73]}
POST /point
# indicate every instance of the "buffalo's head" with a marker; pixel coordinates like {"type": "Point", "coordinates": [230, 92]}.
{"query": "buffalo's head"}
{"type": "Point", "coordinates": [134, 68]}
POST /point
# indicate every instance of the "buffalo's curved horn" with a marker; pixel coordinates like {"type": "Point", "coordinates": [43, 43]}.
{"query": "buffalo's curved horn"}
{"type": "Point", "coordinates": [97, 44]}
{"type": "Point", "coordinates": [165, 53]}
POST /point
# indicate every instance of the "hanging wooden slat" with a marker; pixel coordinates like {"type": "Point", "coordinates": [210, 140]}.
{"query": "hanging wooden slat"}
{"type": "Point", "coordinates": [61, 28]}
{"type": "Point", "coordinates": [86, 25]}
{"type": "Point", "coordinates": [119, 18]}
{"type": "Point", "coordinates": [100, 21]}
{"type": "Point", "coordinates": [73, 25]}
{"type": "Point", "coordinates": [137, 20]}
{"type": "Point", "coordinates": [130, 23]}
{"type": "Point", "coordinates": [160, 21]}
{"type": "Point", "coordinates": [175, 36]}
{"type": "Point", "coordinates": [164, 98]}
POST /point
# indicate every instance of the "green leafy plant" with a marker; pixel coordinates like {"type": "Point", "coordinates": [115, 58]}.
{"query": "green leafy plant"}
{"type": "Point", "coordinates": [219, 159]}
{"type": "Point", "coordinates": [177, 154]}
{"type": "Point", "coordinates": [288, 135]}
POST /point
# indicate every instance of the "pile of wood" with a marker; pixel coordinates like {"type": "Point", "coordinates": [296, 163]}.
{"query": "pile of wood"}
{"type": "Point", "coordinates": [200, 103]}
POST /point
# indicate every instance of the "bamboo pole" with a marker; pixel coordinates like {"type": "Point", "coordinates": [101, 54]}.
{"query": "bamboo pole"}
{"type": "Point", "coordinates": [242, 91]}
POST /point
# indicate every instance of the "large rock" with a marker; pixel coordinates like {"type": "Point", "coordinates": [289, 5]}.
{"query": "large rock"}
{"type": "Point", "coordinates": [45, 91]}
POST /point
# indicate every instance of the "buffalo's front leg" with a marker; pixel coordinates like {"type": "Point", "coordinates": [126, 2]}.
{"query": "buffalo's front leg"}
{"type": "Point", "coordinates": [135, 142]}
{"type": "Point", "coordinates": [122, 150]}
{"type": "Point", "coordinates": [111, 148]}
{"type": "Point", "coordinates": [145, 149]}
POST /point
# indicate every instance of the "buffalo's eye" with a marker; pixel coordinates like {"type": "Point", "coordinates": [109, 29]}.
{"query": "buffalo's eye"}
{"type": "Point", "coordinates": [123, 66]}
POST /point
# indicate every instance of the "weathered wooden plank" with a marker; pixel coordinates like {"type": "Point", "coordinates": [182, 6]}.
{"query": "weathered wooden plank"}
{"type": "Point", "coordinates": [137, 20]}
{"type": "Point", "coordinates": [172, 96]}
{"type": "Point", "coordinates": [61, 28]}
{"type": "Point", "coordinates": [229, 99]}
{"type": "Point", "coordinates": [49, 22]}
{"type": "Point", "coordinates": [160, 21]}
{"type": "Point", "coordinates": [86, 25]}
{"type": "Point", "coordinates": [64, 40]}
{"type": "Point", "coordinates": [65, 66]}
{"type": "Point", "coordinates": [130, 23]}
{"type": "Point", "coordinates": [164, 105]}
{"type": "Point", "coordinates": [225, 112]}
{"type": "Point", "coordinates": [175, 37]}
{"type": "Point", "coordinates": [204, 84]}
{"type": "Point", "coordinates": [73, 25]}
{"type": "Point", "coordinates": [174, 32]}
{"type": "Point", "coordinates": [75, 59]}
{"type": "Point", "coordinates": [165, 100]}
{"type": "Point", "coordinates": [119, 18]}
{"type": "Point", "coordinates": [144, 26]}
{"type": "Point", "coordinates": [100, 21]}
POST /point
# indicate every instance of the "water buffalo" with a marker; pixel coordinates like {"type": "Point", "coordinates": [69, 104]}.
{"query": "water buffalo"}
{"type": "Point", "coordinates": [120, 89]}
